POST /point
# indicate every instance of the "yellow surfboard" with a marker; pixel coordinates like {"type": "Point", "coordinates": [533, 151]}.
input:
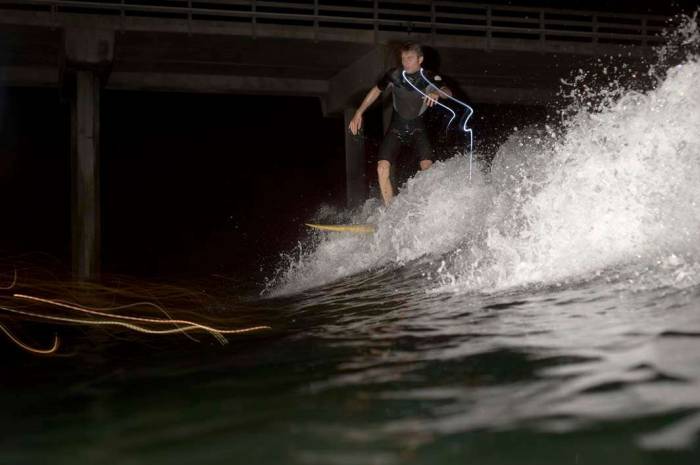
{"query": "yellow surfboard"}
{"type": "Point", "coordinates": [351, 228]}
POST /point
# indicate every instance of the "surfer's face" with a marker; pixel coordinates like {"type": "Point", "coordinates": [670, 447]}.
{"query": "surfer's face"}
{"type": "Point", "coordinates": [411, 62]}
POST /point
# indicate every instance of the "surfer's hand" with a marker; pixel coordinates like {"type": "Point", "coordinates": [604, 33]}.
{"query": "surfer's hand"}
{"type": "Point", "coordinates": [355, 124]}
{"type": "Point", "coordinates": [431, 98]}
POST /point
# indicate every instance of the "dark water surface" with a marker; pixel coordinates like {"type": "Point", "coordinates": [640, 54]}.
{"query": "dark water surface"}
{"type": "Point", "coordinates": [374, 371]}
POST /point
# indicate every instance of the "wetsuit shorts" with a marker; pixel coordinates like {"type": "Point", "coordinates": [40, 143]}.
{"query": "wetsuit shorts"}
{"type": "Point", "coordinates": [405, 132]}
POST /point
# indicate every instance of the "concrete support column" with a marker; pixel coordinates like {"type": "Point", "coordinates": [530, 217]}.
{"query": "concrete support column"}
{"type": "Point", "coordinates": [345, 90]}
{"type": "Point", "coordinates": [85, 214]}
{"type": "Point", "coordinates": [354, 164]}
{"type": "Point", "coordinates": [87, 61]}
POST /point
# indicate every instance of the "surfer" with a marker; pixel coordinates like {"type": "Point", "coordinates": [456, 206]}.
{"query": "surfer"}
{"type": "Point", "coordinates": [407, 126]}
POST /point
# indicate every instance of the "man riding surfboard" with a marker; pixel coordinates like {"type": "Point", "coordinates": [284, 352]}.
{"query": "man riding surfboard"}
{"type": "Point", "coordinates": [409, 104]}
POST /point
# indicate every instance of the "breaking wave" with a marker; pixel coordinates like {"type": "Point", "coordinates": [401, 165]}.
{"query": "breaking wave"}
{"type": "Point", "coordinates": [614, 190]}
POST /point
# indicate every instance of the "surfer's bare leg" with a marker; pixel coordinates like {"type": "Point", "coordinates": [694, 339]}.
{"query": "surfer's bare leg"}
{"type": "Point", "coordinates": [425, 164]}
{"type": "Point", "coordinates": [383, 172]}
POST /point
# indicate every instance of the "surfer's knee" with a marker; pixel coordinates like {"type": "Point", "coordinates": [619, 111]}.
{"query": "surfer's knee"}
{"type": "Point", "coordinates": [383, 168]}
{"type": "Point", "coordinates": [425, 164]}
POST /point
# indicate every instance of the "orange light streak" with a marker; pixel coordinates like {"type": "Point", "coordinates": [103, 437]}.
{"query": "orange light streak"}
{"type": "Point", "coordinates": [137, 328]}
{"type": "Point", "coordinates": [189, 323]}
{"type": "Point", "coordinates": [28, 348]}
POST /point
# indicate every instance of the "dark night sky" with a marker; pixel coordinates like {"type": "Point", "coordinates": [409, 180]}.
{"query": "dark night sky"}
{"type": "Point", "coordinates": [189, 182]}
{"type": "Point", "coordinates": [215, 179]}
{"type": "Point", "coordinates": [34, 172]}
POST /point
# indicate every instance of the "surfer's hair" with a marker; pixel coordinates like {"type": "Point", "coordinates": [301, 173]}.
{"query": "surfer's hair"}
{"type": "Point", "coordinates": [412, 47]}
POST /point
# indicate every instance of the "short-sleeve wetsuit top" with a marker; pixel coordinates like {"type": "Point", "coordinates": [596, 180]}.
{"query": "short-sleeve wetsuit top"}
{"type": "Point", "coordinates": [409, 105]}
{"type": "Point", "coordinates": [407, 126]}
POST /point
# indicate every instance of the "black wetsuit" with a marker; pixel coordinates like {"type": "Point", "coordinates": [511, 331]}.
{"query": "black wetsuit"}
{"type": "Point", "coordinates": [407, 125]}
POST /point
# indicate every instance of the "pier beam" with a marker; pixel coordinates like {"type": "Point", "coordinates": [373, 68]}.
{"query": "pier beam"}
{"type": "Point", "coordinates": [355, 181]}
{"type": "Point", "coordinates": [346, 90]}
{"type": "Point", "coordinates": [87, 61]}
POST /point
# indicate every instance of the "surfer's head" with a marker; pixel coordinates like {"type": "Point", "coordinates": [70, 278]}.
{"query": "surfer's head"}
{"type": "Point", "coordinates": [411, 57]}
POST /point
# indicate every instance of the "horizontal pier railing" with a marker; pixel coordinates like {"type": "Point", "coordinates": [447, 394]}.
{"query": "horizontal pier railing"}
{"type": "Point", "coordinates": [432, 18]}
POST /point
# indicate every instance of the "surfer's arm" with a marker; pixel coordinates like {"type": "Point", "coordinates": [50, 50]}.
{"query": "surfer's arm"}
{"type": "Point", "coordinates": [446, 90]}
{"type": "Point", "coordinates": [370, 98]}
{"type": "Point", "coordinates": [434, 95]}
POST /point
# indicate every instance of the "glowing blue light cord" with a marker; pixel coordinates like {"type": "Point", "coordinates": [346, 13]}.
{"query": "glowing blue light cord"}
{"type": "Point", "coordinates": [469, 111]}
{"type": "Point", "coordinates": [468, 114]}
{"type": "Point", "coordinates": [454, 115]}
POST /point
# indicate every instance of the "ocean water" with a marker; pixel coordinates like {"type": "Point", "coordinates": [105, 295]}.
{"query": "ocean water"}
{"type": "Point", "coordinates": [548, 311]}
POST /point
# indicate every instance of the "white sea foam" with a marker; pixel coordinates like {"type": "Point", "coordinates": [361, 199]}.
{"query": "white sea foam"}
{"type": "Point", "coordinates": [435, 211]}
{"type": "Point", "coordinates": [620, 185]}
